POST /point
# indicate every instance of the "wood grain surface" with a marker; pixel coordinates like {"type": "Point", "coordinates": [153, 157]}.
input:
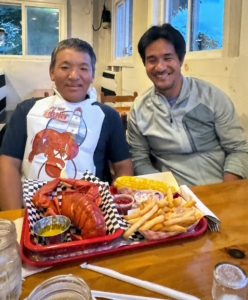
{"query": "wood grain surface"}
{"type": "Point", "coordinates": [185, 266]}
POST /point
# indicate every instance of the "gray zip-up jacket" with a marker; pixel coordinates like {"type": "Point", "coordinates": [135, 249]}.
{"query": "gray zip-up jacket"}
{"type": "Point", "coordinates": [198, 139]}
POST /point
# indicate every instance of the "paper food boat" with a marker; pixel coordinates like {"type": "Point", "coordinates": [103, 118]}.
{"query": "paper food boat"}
{"type": "Point", "coordinates": [187, 194]}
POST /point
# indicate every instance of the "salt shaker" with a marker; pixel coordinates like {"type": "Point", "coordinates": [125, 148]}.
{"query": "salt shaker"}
{"type": "Point", "coordinates": [10, 262]}
{"type": "Point", "coordinates": [67, 287]}
{"type": "Point", "coordinates": [229, 282]}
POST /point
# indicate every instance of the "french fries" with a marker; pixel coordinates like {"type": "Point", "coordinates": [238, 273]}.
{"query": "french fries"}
{"type": "Point", "coordinates": [137, 214]}
{"type": "Point", "coordinates": [167, 215]}
{"type": "Point", "coordinates": [141, 221]}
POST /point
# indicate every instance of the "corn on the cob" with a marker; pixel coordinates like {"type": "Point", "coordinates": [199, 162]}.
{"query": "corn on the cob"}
{"type": "Point", "coordinates": [136, 183]}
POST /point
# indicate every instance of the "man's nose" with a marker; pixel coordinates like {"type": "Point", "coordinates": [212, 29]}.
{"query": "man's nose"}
{"type": "Point", "coordinates": [161, 65]}
{"type": "Point", "coordinates": [74, 74]}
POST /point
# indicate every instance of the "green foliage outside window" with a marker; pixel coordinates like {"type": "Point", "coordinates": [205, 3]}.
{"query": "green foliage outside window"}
{"type": "Point", "coordinates": [10, 22]}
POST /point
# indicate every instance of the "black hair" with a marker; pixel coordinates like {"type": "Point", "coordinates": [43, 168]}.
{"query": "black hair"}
{"type": "Point", "coordinates": [77, 45]}
{"type": "Point", "coordinates": [166, 32]}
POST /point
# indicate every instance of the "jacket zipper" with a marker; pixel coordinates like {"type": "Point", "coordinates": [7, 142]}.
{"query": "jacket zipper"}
{"type": "Point", "coordinates": [170, 116]}
{"type": "Point", "coordinates": [190, 137]}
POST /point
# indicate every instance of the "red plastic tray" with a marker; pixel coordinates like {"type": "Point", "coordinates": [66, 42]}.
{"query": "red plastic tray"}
{"type": "Point", "coordinates": [63, 247]}
{"type": "Point", "coordinates": [44, 256]}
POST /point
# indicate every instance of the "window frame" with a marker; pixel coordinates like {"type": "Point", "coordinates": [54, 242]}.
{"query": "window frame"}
{"type": "Point", "coordinates": [213, 53]}
{"type": "Point", "coordinates": [57, 4]}
{"type": "Point", "coordinates": [156, 12]}
{"type": "Point", "coordinates": [126, 61]}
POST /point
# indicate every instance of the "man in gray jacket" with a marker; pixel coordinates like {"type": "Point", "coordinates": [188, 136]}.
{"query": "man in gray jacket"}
{"type": "Point", "coordinates": [186, 125]}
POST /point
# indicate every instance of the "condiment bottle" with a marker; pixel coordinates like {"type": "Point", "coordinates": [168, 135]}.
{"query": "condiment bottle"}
{"type": "Point", "coordinates": [10, 262]}
{"type": "Point", "coordinates": [67, 287]}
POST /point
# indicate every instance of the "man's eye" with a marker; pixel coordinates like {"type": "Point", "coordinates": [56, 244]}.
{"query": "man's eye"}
{"type": "Point", "coordinates": [64, 68]}
{"type": "Point", "coordinates": [84, 69]}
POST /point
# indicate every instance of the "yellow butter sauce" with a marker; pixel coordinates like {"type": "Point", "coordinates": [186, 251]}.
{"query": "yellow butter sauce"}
{"type": "Point", "coordinates": [51, 232]}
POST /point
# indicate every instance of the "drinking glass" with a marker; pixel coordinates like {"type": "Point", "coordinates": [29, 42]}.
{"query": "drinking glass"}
{"type": "Point", "coordinates": [67, 287]}
{"type": "Point", "coordinates": [10, 262]}
{"type": "Point", "coordinates": [229, 282]}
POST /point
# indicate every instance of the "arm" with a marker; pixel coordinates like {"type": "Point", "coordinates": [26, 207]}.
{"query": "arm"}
{"type": "Point", "coordinates": [139, 147]}
{"type": "Point", "coordinates": [232, 139]}
{"type": "Point", "coordinates": [10, 183]}
{"type": "Point", "coordinates": [231, 177]}
{"type": "Point", "coordinates": [117, 148]}
{"type": "Point", "coordinates": [123, 168]}
{"type": "Point", "coordinates": [12, 151]}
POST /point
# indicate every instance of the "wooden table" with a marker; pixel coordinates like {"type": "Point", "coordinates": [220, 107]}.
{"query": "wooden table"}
{"type": "Point", "coordinates": [186, 266]}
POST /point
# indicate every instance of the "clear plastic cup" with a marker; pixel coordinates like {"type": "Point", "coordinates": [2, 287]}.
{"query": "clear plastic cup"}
{"type": "Point", "coordinates": [62, 287]}
{"type": "Point", "coordinates": [229, 282]}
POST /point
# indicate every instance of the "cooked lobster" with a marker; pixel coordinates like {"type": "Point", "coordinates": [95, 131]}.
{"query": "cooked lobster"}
{"type": "Point", "coordinates": [79, 204]}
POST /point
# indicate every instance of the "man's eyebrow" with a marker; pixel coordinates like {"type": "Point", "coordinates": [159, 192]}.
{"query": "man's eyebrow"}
{"type": "Point", "coordinates": [84, 64]}
{"type": "Point", "coordinates": [168, 54]}
{"type": "Point", "coordinates": [65, 62]}
{"type": "Point", "coordinates": [68, 63]}
{"type": "Point", "coordinates": [165, 55]}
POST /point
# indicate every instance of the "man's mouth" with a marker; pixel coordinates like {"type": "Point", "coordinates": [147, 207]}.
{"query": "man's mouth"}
{"type": "Point", "coordinates": [74, 85]}
{"type": "Point", "coordinates": [162, 76]}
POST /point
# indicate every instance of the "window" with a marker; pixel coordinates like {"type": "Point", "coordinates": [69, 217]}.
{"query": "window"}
{"type": "Point", "coordinates": [201, 22]}
{"type": "Point", "coordinates": [123, 28]}
{"type": "Point", "coordinates": [29, 28]}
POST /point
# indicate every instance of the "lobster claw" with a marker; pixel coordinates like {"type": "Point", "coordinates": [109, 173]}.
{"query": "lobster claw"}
{"type": "Point", "coordinates": [83, 186]}
{"type": "Point", "coordinates": [42, 198]}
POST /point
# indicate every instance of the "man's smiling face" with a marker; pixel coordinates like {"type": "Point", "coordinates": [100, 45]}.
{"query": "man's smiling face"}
{"type": "Point", "coordinates": [72, 74]}
{"type": "Point", "coordinates": [163, 67]}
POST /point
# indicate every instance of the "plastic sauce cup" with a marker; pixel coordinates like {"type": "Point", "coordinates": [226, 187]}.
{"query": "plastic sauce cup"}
{"type": "Point", "coordinates": [123, 203]}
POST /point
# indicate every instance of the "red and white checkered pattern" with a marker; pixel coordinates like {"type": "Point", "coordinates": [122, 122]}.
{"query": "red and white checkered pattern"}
{"type": "Point", "coordinates": [157, 235]}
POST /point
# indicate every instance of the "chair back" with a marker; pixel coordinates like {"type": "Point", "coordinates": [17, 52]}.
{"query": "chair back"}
{"type": "Point", "coordinates": [119, 99]}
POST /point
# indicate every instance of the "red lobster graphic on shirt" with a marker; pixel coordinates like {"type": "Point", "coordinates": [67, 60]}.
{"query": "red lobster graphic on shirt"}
{"type": "Point", "coordinates": [57, 147]}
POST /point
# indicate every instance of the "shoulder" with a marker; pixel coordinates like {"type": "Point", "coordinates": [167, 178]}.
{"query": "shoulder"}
{"type": "Point", "coordinates": [209, 94]}
{"type": "Point", "coordinates": [143, 97]}
{"type": "Point", "coordinates": [205, 89]}
{"type": "Point", "coordinates": [202, 84]}
{"type": "Point", "coordinates": [21, 111]}
{"type": "Point", "coordinates": [26, 105]}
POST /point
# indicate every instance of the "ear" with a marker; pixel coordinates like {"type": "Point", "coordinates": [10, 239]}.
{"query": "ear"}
{"type": "Point", "coordinates": [93, 77]}
{"type": "Point", "coordinates": [181, 62]}
{"type": "Point", "coordinates": [51, 72]}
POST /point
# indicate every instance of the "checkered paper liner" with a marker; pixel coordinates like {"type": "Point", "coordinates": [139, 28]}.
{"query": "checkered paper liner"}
{"type": "Point", "coordinates": [112, 218]}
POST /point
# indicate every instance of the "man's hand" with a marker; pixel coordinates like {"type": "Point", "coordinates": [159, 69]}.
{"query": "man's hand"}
{"type": "Point", "coordinates": [231, 177]}
{"type": "Point", "coordinates": [123, 168]}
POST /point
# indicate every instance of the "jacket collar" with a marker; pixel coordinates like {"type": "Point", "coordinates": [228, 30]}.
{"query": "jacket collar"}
{"type": "Point", "coordinates": [185, 91]}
